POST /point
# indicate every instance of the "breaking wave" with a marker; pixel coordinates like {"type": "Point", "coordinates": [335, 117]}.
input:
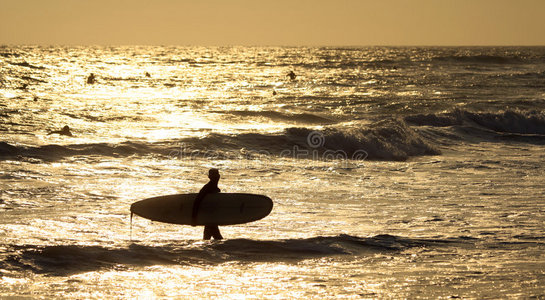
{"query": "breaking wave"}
{"type": "Point", "coordinates": [509, 121]}
{"type": "Point", "coordinates": [386, 140]}
{"type": "Point", "coordinates": [391, 139]}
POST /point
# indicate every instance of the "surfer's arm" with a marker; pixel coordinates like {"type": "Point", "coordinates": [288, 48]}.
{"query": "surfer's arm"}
{"type": "Point", "coordinates": [206, 189]}
{"type": "Point", "coordinates": [196, 205]}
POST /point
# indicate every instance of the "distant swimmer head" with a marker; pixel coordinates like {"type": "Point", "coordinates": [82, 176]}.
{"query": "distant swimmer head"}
{"type": "Point", "coordinates": [65, 131]}
{"type": "Point", "coordinates": [214, 174]}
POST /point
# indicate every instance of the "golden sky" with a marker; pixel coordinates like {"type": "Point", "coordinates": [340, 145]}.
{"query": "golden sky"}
{"type": "Point", "coordinates": [273, 22]}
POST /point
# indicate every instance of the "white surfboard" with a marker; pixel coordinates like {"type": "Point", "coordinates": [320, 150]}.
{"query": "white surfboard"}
{"type": "Point", "coordinates": [215, 209]}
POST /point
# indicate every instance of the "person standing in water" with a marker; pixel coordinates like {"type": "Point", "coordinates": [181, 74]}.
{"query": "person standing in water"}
{"type": "Point", "coordinates": [210, 230]}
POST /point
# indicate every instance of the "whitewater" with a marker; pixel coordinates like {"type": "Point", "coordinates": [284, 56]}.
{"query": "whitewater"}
{"type": "Point", "coordinates": [396, 172]}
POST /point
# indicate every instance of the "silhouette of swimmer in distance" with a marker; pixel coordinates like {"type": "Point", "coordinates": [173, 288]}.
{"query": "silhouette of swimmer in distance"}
{"type": "Point", "coordinates": [64, 131]}
{"type": "Point", "coordinates": [91, 79]}
{"type": "Point", "coordinates": [210, 230]}
{"type": "Point", "coordinates": [292, 75]}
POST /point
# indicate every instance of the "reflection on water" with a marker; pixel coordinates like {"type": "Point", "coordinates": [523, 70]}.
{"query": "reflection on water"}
{"type": "Point", "coordinates": [446, 201]}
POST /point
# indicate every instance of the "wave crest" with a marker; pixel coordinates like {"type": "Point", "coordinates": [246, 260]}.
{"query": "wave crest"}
{"type": "Point", "coordinates": [509, 121]}
{"type": "Point", "coordinates": [482, 59]}
{"type": "Point", "coordinates": [386, 140]}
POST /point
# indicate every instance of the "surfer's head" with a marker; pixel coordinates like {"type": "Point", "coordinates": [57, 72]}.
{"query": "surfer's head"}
{"type": "Point", "coordinates": [214, 174]}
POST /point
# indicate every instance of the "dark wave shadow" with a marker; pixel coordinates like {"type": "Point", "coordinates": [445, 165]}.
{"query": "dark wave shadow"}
{"type": "Point", "coordinates": [64, 260]}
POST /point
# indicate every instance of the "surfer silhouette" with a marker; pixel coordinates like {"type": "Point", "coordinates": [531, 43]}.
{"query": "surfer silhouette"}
{"type": "Point", "coordinates": [210, 231]}
{"type": "Point", "coordinates": [64, 131]}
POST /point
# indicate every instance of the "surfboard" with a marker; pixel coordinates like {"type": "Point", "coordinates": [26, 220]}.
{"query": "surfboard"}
{"type": "Point", "coordinates": [215, 209]}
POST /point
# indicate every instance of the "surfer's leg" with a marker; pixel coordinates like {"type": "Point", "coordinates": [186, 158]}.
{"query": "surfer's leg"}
{"type": "Point", "coordinates": [216, 232]}
{"type": "Point", "coordinates": [207, 234]}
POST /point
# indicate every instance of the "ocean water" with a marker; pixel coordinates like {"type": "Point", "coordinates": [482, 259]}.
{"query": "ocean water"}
{"type": "Point", "coordinates": [395, 172]}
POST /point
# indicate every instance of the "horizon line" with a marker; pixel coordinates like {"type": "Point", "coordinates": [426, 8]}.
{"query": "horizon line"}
{"type": "Point", "coordinates": [269, 45]}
